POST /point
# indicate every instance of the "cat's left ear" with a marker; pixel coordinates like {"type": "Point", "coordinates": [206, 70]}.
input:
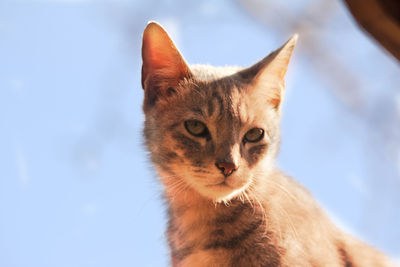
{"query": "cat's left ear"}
{"type": "Point", "coordinates": [163, 66]}
{"type": "Point", "coordinates": [267, 76]}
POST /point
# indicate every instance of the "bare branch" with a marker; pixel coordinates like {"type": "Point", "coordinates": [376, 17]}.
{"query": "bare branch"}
{"type": "Point", "coordinates": [381, 19]}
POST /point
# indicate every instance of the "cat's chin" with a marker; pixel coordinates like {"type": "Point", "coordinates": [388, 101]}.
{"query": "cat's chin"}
{"type": "Point", "coordinates": [223, 192]}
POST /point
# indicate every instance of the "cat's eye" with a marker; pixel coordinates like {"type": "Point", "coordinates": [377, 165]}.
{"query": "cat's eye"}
{"type": "Point", "coordinates": [171, 91]}
{"type": "Point", "coordinates": [254, 135]}
{"type": "Point", "coordinates": [196, 128]}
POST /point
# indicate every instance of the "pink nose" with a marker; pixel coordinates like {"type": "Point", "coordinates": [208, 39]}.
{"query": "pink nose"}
{"type": "Point", "coordinates": [226, 168]}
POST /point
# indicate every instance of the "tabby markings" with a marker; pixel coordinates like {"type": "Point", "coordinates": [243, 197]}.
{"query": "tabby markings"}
{"type": "Point", "coordinates": [254, 154]}
{"type": "Point", "coordinates": [345, 258]}
{"type": "Point", "coordinates": [235, 241]}
{"type": "Point", "coordinates": [186, 142]}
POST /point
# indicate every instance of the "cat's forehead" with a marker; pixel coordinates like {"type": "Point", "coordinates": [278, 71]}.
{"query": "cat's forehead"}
{"type": "Point", "coordinates": [208, 73]}
{"type": "Point", "coordinates": [219, 94]}
{"type": "Point", "coordinates": [218, 82]}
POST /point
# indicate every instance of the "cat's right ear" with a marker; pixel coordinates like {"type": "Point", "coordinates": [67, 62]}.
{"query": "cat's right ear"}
{"type": "Point", "coordinates": [163, 66]}
{"type": "Point", "coordinates": [267, 76]}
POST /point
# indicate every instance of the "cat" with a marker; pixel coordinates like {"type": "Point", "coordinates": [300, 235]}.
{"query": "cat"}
{"type": "Point", "coordinates": [213, 135]}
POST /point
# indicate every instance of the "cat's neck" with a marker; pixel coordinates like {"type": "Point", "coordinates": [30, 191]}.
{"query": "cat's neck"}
{"type": "Point", "coordinates": [188, 208]}
{"type": "Point", "coordinates": [202, 229]}
{"type": "Point", "coordinates": [190, 211]}
{"type": "Point", "coordinates": [193, 205]}
{"type": "Point", "coordinates": [270, 204]}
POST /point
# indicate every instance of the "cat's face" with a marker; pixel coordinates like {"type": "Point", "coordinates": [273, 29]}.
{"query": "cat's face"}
{"type": "Point", "coordinates": [199, 132]}
{"type": "Point", "coordinates": [213, 130]}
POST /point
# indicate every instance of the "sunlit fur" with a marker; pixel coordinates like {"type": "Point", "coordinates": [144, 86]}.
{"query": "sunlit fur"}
{"type": "Point", "coordinates": [258, 216]}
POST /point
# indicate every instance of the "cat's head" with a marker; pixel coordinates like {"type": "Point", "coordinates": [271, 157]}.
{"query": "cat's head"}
{"type": "Point", "coordinates": [214, 130]}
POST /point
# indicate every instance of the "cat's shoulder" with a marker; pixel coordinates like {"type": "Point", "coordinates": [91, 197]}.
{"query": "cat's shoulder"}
{"type": "Point", "coordinates": [289, 190]}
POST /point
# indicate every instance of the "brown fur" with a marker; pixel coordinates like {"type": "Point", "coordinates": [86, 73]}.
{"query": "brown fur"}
{"type": "Point", "coordinates": [256, 216]}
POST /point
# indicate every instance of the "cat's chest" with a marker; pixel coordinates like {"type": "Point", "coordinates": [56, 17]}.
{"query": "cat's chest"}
{"type": "Point", "coordinates": [235, 236]}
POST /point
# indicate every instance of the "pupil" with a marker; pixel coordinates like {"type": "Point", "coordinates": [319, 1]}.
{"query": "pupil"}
{"type": "Point", "coordinates": [197, 127]}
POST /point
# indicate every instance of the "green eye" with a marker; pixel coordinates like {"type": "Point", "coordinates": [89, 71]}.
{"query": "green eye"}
{"type": "Point", "coordinates": [196, 128]}
{"type": "Point", "coordinates": [254, 135]}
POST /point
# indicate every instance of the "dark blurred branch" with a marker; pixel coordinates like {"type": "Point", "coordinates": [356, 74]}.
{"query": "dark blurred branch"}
{"type": "Point", "coordinates": [381, 18]}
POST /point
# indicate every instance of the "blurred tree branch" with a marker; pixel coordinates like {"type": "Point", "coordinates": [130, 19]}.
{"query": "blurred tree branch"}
{"type": "Point", "coordinates": [381, 18]}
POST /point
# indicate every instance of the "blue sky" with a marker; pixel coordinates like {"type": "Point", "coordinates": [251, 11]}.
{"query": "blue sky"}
{"type": "Point", "coordinates": [76, 188]}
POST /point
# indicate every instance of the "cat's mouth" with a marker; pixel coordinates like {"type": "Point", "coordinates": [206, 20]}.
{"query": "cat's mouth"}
{"type": "Point", "coordinates": [226, 190]}
{"type": "Point", "coordinates": [230, 183]}
{"type": "Point", "coordinates": [223, 188]}
{"type": "Point", "coordinates": [223, 184]}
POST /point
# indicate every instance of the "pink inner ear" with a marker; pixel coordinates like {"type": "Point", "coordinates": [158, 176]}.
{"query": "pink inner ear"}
{"type": "Point", "coordinates": [157, 54]}
{"type": "Point", "coordinates": [160, 55]}
{"type": "Point", "coordinates": [275, 102]}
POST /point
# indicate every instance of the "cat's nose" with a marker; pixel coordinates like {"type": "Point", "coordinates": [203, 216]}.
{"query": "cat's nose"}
{"type": "Point", "coordinates": [226, 168]}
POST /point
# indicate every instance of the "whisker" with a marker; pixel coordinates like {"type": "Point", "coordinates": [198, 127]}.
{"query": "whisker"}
{"type": "Point", "coordinates": [290, 222]}
{"type": "Point", "coordinates": [248, 200]}
{"type": "Point", "coordinates": [278, 186]}
{"type": "Point", "coordinates": [263, 213]}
